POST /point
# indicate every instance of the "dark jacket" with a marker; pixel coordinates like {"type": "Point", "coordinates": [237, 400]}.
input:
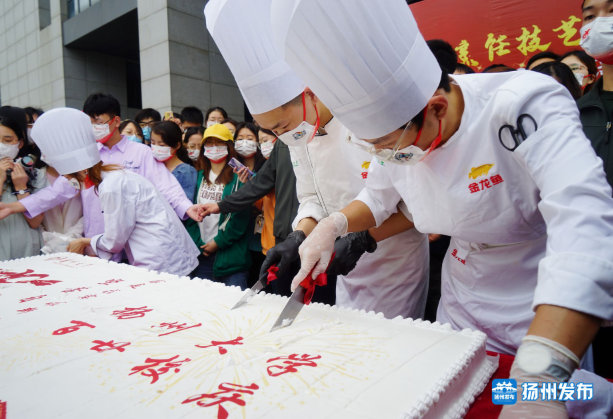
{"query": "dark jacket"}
{"type": "Point", "coordinates": [278, 174]}
{"type": "Point", "coordinates": [233, 241]}
{"type": "Point", "coordinates": [597, 126]}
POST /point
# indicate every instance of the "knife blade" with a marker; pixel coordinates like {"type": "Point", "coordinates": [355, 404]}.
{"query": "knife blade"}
{"type": "Point", "coordinates": [291, 309]}
{"type": "Point", "coordinates": [259, 286]}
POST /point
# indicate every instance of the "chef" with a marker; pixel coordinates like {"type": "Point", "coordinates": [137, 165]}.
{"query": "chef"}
{"type": "Point", "coordinates": [498, 162]}
{"type": "Point", "coordinates": [137, 217]}
{"type": "Point", "coordinates": [391, 275]}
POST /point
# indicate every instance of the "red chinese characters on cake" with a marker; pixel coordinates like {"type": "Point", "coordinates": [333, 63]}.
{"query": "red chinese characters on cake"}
{"type": "Point", "coordinates": [76, 289]}
{"type": "Point", "coordinates": [229, 393]}
{"type": "Point", "coordinates": [77, 325]}
{"type": "Point", "coordinates": [222, 350]}
{"type": "Point", "coordinates": [155, 367]}
{"type": "Point", "coordinates": [25, 300]}
{"type": "Point", "coordinates": [26, 310]}
{"type": "Point", "coordinates": [29, 274]}
{"type": "Point", "coordinates": [131, 313]}
{"type": "Point", "coordinates": [109, 346]}
{"type": "Point", "coordinates": [289, 364]}
{"type": "Point", "coordinates": [111, 281]}
{"type": "Point", "coordinates": [136, 286]}
{"type": "Point", "coordinates": [174, 325]}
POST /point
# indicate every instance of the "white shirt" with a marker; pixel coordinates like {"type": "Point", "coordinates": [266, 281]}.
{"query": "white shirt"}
{"type": "Point", "coordinates": [529, 227]}
{"type": "Point", "coordinates": [209, 193]}
{"type": "Point", "coordinates": [139, 220]}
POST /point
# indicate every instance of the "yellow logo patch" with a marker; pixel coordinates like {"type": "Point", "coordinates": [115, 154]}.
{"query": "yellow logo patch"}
{"type": "Point", "coordinates": [476, 172]}
{"type": "Point", "coordinates": [366, 165]}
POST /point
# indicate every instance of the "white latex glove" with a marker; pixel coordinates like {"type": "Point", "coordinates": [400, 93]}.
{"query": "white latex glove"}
{"type": "Point", "coordinates": [540, 360]}
{"type": "Point", "coordinates": [316, 251]}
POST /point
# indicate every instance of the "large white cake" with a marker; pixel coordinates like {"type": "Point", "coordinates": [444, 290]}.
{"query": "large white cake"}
{"type": "Point", "coordinates": [82, 338]}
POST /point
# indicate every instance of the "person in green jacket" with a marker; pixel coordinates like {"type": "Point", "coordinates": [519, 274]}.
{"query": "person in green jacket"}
{"type": "Point", "coordinates": [223, 239]}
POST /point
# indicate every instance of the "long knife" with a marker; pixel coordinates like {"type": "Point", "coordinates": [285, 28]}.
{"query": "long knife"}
{"type": "Point", "coordinates": [259, 286]}
{"type": "Point", "coordinates": [295, 303]}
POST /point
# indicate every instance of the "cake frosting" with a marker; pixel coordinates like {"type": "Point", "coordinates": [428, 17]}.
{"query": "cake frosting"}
{"type": "Point", "coordinates": [80, 337]}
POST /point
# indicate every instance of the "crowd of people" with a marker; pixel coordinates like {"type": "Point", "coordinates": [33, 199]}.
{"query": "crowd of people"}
{"type": "Point", "coordinates": [238, 201]}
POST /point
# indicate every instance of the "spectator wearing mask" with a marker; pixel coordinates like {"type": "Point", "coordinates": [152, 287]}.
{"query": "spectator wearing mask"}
{"type": "Point", "coordinates": [104, 112]}
{"type": "Point", "coordinates": [32, 115]}
{"type": "Point", "coordinates": [192, 142]}
{"type": "Point", "coordinates": [167, 148]}
{"type": "Point", "coordinates": [191, 117]}
{"type": "Point", "coordinates": [19, 236]}
{"type": "Point", "coordinates": [596, 113]}
{"type": "Point", "coordinates": [231, 124]}
{"type": "Point", "coordinates": [267, 140]}
{"type": "Point", "coordinates": [583, 66]}
{"type": "Point", "coordinates": [132, 131]}
{"type": "Point", "coordinates": [215, 115]}
{"type": "Point", "coordinates": [562, 74]}
{"type": "Point", "coordinates": [246, 143]}
{"type": "Point", "coordinates": [463, 69]}
{"type": "Point", "coordinates": [145, 119]}
{"type": "Point", "coordinates": [540, 58]}
{"type": "Point", "coordinates": [137, 218]}
{"type": "Point", "coordinates": [222, 240]}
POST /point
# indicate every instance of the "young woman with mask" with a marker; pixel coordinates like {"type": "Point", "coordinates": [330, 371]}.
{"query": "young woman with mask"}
{"type": "Point", "coordinates": [167, 147]}
{"type": "Point", "coordinates": [19, 236]}
{"type": "Point", "coordinates": [131, 130]}
{"type": "Point", "coordinates": [222, 240]}
{"type": "Point", "coordinates": [137, 217]}
{"type": "Point", "coordinates": [246, 140]}
{"type": "Point", "coordinates": [583, 66]}
{"type": "Point", "coordinates": [215, 115]}
{"type": "Point", "coordinates": [192, 141]}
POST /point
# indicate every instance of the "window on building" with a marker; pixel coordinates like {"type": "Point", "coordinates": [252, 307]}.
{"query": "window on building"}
{"type": "Point", "coordinates": [44, 13]}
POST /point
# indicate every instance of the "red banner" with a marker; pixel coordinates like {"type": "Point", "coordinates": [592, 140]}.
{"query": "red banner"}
{"type": "Point", "coordinates": [486, 32]}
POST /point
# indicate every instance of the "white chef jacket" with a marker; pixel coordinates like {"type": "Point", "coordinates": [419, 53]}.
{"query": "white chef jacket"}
{"type": "Point", "coordinates": [393, 280]}
{"type": "Point", "coordinates": [529, 227]}
{"type": "Point", "coordinates": [139, 220]}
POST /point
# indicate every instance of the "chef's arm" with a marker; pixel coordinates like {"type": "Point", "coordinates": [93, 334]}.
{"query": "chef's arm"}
{"type": "Point", "coordinates": [570, 328]}
{"type": "Point", "coordinates": [306, 225]}
{"type": "Point", "coordinates": [359, 217]}
{"type": "Point", "coordinates": [396, 224]}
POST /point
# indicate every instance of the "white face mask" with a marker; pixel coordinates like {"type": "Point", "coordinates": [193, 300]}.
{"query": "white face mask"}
{"type": "Point", "coordinates": [303, 133]}
{"type": "Point", "coordinates": [597, 39]}
{"type": "Point", "coordinates": [134, 138]}
{"type": "Point", "coordinates": [579, 78]}
{"type": "Point", "coordinates": [267, 148]}
{"type": "Point", "coordinates": [101, 131]}
{"type": "Point", "coordinates": [30, 140]}
{"type": "Point", "coordinates": [161, 153]}
{"type": "Point", "coordinates": [9, 151]}
{"type": "Point", "coordinates": [246, 148]}
{"type": "Point", "coordinates": [211, 123]}
{"type": "Point", "coordinates": [193, 154]}
{"type": "Point", "coordinates": [216, 154]}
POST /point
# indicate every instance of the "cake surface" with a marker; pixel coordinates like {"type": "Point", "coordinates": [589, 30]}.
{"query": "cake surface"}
{"type": "Point", "coordinates": [83, 338]}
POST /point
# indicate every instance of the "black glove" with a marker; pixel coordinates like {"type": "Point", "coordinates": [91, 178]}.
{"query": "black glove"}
{"type": "Point", "coordinates": [284, 253]}
{"type": "Point", "coordinates": [349, 250]}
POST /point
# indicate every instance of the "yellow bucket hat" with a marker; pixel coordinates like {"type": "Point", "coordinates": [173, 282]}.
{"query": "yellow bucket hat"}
{"type": "Point", "coordinates": [218, 131]}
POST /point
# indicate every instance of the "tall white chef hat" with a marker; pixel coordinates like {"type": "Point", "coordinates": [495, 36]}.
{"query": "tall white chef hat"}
{"type": "Point", "coordinates": [366, 60]}
{"type": "Point", "coordinates": [66, 140]}
{"type": "Point", "coordinates": [242, 31]}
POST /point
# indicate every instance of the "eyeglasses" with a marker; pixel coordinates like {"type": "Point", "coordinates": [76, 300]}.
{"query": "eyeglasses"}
{"type": "Point", "coordinates": [103, 123]}
{"type": "Point", "coordinates": [9, 140]}
{"type": "Point", "coordinates": [578, 67]}
{"type": "Point", "coordinates": [381, 154]}
{"type": "Point", "coordinates": [146, 124]}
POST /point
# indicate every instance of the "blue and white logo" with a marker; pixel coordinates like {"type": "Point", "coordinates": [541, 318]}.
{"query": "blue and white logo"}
{"type": "Point", "coordinates": [298, 135]}
{"type": "Point", "coordinates": [504, 391]}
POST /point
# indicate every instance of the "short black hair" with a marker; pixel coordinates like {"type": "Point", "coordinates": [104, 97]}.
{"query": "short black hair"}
{"type": "Point", "coordinates": [193, 131]}
{"type": "Point", "coordinates": [193, 115]}
{"type": "Point", "coordinates": [146, 114]}
{"type": "Point", "coordinates": [444, 54]}
{"type": "Point", "coordinates": [563, 74]}
{"type": "Point", "coordinates": [493, 66]}
{"type": "Point", "coordinates": [101, 103]}
{"type": "Point", "coordinates": [15, 119]}
{"type": "Point", "coordinates": [464, 68]}
{"type": "Point", "coordinates": [540, 56]}
{"type": "Point", "coordinates": [582, 56]}
{"type": "Point", "coordinates": [418, 120]}
{"type": "Point", "coordinates": [221, 110]}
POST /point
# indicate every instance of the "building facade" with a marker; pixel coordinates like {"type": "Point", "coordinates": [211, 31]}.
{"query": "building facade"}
{"type": "Point", "coordinates": [147, 53]}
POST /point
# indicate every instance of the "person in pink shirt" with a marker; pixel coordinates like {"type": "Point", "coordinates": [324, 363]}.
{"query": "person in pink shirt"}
{"type": "Point", "coordinates": [104, 111]}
